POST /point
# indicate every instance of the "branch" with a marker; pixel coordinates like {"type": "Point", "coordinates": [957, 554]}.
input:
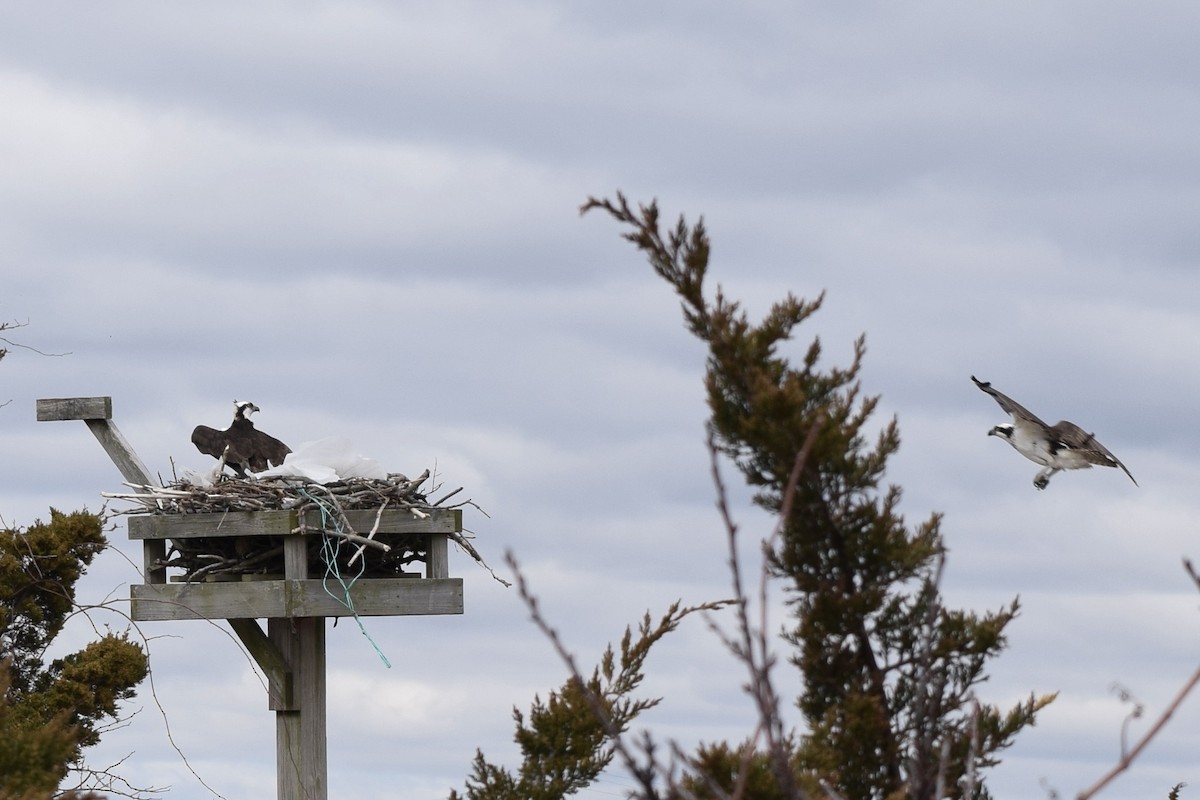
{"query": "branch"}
{"type": "Point", "coordinates": [1128, 758]}
{"type": "Point", "coordinates": [753, 648]}
{"type": "Point", "coordinates": [8, 326]}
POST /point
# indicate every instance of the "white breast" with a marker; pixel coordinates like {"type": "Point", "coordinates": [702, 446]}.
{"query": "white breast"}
{"type": "Point", "coordinates": [1031, 442]}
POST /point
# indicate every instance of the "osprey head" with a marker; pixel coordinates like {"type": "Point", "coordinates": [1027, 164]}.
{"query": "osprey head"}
{"type": "Point", "coordinates": [1005, 431]}
{"type": "Point", "coordinates": [242, 409]}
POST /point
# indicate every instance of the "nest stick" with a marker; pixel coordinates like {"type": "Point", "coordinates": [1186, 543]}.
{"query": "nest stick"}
{"type": "Point", "coordinates": [375, 529]}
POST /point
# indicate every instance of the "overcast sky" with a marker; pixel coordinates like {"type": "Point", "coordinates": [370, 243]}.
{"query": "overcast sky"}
{"type": "Point", "coordinates": [364, 218]}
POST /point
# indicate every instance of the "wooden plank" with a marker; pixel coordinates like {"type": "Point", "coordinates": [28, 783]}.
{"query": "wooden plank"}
{"type": "Point", "coordinates": [372, 597]}
{"type": "Point", "coordinates": [270, 661]}
{"type": "Point", "coordinates": [53, 409]}
{"type": "Point", "coordinates": [278, 523]}
{"type": "Point", "coordinates": [400, 520]}
{"type": "Point", "coordinates": [193, 526]}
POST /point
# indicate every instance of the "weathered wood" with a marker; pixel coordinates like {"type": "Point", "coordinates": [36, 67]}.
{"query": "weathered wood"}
{"type": "Point", "coordinates": [126, 460]}
{"type": "Point", "coordinates": [301, 760]}
{"type": "Point", "coordinates": [97, 413]}
{"type": "Point", "coordinates": [270, 661]}
{"type": "Point", "coordinates": [280, 523]}
{"type": "Point", "coordinates": [437, 557]}
{"type": "Point", "coordinates": [372, 597]}
{"type": "Point", "coordinates": [192, 526]}
{"type": "Point", "coordinates": [154, 552]}
{"type": "Point", "coordinates": [52, 409]}
{"type": "Point", "coordinates": [295, 557]}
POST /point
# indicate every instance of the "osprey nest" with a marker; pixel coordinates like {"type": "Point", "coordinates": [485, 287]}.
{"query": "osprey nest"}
{"type": "Point", "coordinates": [334, 545]}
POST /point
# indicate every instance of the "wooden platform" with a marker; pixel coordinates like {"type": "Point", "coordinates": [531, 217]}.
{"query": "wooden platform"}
{"type": "Point", "coordinates": [295, 593]}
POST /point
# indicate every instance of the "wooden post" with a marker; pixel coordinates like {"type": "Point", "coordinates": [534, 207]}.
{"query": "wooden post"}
{"type": "Point", "coordinates": [300, 752]}
{"type": "Point", "coordinates": [301, 757]}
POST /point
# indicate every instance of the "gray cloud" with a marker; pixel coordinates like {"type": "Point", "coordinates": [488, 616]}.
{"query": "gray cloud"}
{"type": "Point", "coordinates": [365, 218]}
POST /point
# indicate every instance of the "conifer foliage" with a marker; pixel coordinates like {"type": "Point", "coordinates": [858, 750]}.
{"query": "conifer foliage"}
{"type": "Point", "coordinates": [50, 711]}
{"type": "Point", "coordinates": [888, 671]}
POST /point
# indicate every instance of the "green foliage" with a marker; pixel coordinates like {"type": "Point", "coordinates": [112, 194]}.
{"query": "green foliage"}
{"type": "Point", "coordinates": [33, 753]}
{"type": "Point", "coordinates": [717, 771]}
{"type": "Point", "coordinates": [70, 698]}
{"type": "Point", "coordinates": [39, 568]}
{"type": "Point", "coordinates": [567, 740]}
{"type": "Point", "coordinates": [889, 672]}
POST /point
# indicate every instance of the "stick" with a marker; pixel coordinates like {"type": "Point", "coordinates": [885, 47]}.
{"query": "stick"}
{"type": "Point", "coordinates": [1128, 758]}
{"type": "Point", "coordinates": [371, 535]}
{"type": "Point", "coordinates": [350, 537]}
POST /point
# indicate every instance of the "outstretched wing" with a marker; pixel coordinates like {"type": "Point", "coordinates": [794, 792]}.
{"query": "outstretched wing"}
{"type": "Point", "coordinates": [1019, 412]}
{"type": "Point", "coordinates": [209, 441]}
{"type": "Point", "coordinates": [1069, 436]}
{"type": "Point", "coordinates": [267, 451]}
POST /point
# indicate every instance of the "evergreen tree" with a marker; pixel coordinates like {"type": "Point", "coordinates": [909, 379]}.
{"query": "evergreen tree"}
{"type": "Point", "coordinates": [888, 672]}
{"type": "Point", "coordinates": [52, 711]}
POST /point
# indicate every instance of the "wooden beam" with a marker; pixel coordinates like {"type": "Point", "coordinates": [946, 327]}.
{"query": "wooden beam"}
{"type": "Point", "coordinates": [270, 661]}
{"type": "Point", "coordinates": [301, 754]}
{"type": "Point", "coordinates": [282, 523]}
{"type": "Point", "coordinates": [53, 409]}
{"type": "Point", "coordinates": [97, 413]}
{"type": "Point", "coordinates": [127, 461]}
{"type": "Point", "coordinates": [372, 597]}
{"type": "Point", "coordinates": [295, 557]}
{"type": "Point", "coordinates": [154, 553]}
{"type": "Point", "coordinates": [437, 557]}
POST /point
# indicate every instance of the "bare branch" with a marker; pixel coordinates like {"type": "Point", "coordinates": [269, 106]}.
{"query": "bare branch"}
{"type": "Point", "coordinates": [8, 326]}
{"type": "Point", "coordinates": [1129, 757]}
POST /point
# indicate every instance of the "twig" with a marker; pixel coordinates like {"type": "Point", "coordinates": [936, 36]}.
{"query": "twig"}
{"type": "Point", "coordinates": [753, 647]}
{"type": "Point", "coordinates": [448, 496]}
{"type": "Point", "coordinates": [1128, 758]}
{"type": "Point", "coordinates": [1187, 565]}
{"type": "Point", "coordinates": [371, 534]}
{"type": "Point", "coordinates": [350, 537]}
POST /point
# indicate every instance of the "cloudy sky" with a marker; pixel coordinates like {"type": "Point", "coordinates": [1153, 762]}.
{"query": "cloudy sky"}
{"type": "Point", "coordinates": [363, 216]}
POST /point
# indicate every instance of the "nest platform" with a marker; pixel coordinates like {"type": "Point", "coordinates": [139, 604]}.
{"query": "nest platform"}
{"type": "Point", "coordinates": [279, 548]}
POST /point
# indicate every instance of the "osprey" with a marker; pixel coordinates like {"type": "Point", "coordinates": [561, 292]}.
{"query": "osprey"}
{"type": "Point", "coordinates": [241, 445]}
{"type": "Point", "coordinates": [1063, 445]}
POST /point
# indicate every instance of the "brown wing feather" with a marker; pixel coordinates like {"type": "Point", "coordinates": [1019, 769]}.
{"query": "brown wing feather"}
{"type": "Point", "coordinates": [1009, 405]}
{"type": "Point", "coordinates": [1074, 438]}
{"type": "Point", "coordinates": [244, 446]}
{"type": "Point", "coordinates": [209, 441]}
{"type": "Point", "coordinates": [266, 451]}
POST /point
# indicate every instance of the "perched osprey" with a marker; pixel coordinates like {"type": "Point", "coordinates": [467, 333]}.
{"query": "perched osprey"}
{"type": "Point", "coordinates": [1063, 445]}
{"type": "Point", "coordinates": [241, 445]}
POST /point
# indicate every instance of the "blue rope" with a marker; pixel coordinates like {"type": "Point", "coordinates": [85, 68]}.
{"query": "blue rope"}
{"type": "Point", "coordinates": [330, 549]}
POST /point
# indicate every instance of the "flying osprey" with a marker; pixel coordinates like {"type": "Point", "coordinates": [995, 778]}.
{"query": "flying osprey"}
{"type": "Point", "coordinates": [1063, 445]}
{"type": "Point", "coordinates": [241, 445]}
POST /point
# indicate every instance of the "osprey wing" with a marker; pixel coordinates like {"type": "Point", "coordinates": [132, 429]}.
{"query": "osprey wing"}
{"type": "Point", "coordinates": [1018, 412]}
{"type": "Point", "coordinates": [1069, 436]}
{"type": "Point", "coordinates": [268, 451]}
{"type": "Point", "coordinates": [209, 441]}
